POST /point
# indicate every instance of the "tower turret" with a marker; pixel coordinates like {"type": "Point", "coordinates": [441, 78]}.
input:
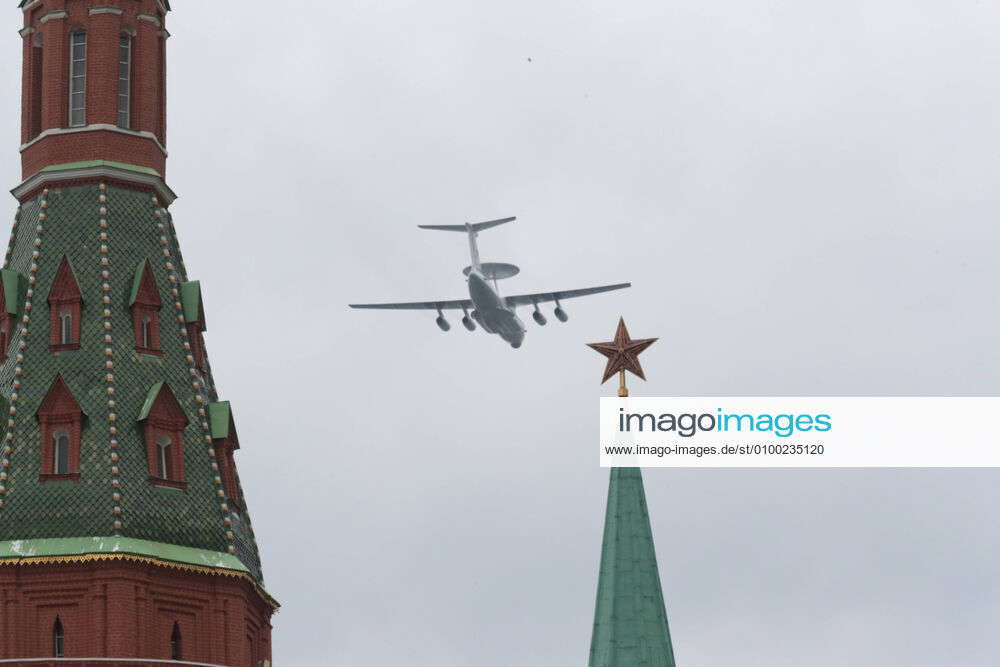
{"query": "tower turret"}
{"type": "Point", "coordinates": [93, 87]}
{"type": "Point", "coordinates": [125, 537]}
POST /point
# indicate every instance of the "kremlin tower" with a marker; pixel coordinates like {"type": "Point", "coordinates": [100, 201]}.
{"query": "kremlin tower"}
{"type": "Point", "coordinates": [125, 538]}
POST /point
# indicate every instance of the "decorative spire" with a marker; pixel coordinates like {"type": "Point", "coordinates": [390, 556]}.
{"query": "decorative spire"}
{"type": "Point", "coordinates": [630, 619]}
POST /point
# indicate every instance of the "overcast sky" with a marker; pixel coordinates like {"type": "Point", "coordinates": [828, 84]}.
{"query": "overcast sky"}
{"type": "Point", "coordinates": [805, 197]}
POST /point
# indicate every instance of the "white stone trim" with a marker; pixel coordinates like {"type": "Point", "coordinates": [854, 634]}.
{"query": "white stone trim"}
{"type": "Point", "coordinates": [163, 191]}
{"type": "Point", "coordinates": [105, 10]}
{"type": "Point", "coordinates": [95, 128]}
{"type": "Point", "coordinates": [31, 5]}
{"type": "Point", "coordinates": [165, 34]}
{"type": "Point", "coordinates": [48, 16]}
{"type": "Point", "coordinates": [24, 32]}
{"type": "Point", "coordinates": [155, 20]}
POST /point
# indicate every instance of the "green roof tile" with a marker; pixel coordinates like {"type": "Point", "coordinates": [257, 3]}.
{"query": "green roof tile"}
{"type": "Point", "coordinates": [198, 517]}
{"type": "Point", "coordinates": [220, 415]}
{"type": "Point", "coordinates": [65, 166]}
{"type": "Point", "coordinates": [80, 546]}
{"type": "Point", "coordinates": [14, 288]}
{"type": "Point", "coordinates": [151, 395]}
{"type": "Point", "coordinates": [193, 306]}
{"type": "Point", "coordinates": [136, 282]}
{"type": "Point", "coordinates": [630, 620]}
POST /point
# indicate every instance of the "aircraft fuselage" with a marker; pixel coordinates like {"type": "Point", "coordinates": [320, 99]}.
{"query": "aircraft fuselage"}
{"type": "Point", "coordinates": [493, 313]}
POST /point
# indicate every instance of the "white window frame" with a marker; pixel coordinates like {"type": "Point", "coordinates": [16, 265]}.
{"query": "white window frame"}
{"type": "Point", "coordinates": [60, 441]}
{"type": "Point", "coordinates": [125, 82]}
{"type": "Point", "coordinates": [163, 443]}
{"type": "Point", "coordinates": [66, 327]}
{"type": "Point", "coordinates": [78, 83]}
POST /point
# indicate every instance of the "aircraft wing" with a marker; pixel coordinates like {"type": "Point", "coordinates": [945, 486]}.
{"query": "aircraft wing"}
{"type": "Point", "coordinates": [455, 304]}
{"type": "Point", "coordinates": [542, 297]}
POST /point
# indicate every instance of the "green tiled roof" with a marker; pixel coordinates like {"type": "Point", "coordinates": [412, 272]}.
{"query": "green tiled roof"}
{"type": "Point", "coordinates": [220, 415]}
{"type": "Point", "coordinates": [191, 298]}
{"type": "Point", "coordinates": [151, 395]}
{"type": "Point", "coordinates": [630, 620]}
{"type": "Point", "coordinates": [136, 282]}
{"type": "Point", "coordinates": [67, 166]}
{"type": "Point", "coordinates": [14, 287]}
{"type": "Point", "coordinates": [80, 546]}
{"type": "Point", "coordinates": [105, 234]}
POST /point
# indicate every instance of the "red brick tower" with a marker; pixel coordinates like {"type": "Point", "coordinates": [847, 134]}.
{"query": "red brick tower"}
{"type": "Point", "coordinates": [125, 538]}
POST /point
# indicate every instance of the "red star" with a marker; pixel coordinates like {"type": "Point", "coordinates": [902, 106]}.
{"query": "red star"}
{"type": "Point", "coordinates": [623, 352]}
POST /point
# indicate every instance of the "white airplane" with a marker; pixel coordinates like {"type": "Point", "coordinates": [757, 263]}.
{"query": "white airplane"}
{"type": "Point", "coordinates": [494, 313]}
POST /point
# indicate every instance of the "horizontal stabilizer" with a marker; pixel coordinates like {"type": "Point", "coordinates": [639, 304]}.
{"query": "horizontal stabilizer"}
{"type": "Point", "coordinates": [475, 227]}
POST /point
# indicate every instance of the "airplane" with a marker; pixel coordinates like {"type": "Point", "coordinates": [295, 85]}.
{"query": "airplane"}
{"type": "Point", "coordinates": [485, 307]}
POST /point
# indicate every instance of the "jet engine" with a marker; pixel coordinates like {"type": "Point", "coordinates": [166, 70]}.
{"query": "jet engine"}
{"type": "Point", "coordinates": [561, 314]}
{"type": "Point", "coordinates": [539, 318]}
{"type": "Point", "coordinates": [468, 323]}
{"type": "Point", "coordinates": [442, 323]}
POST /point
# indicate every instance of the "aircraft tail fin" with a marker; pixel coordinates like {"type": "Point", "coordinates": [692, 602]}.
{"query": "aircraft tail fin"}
{"type": "Point", "coordinates": [475, 226]}
{"type": "Point", "coordinates": [472, 229]}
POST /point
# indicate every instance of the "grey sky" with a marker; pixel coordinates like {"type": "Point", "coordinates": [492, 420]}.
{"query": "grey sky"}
{"type": "Point", "coordinates": [805, 196]}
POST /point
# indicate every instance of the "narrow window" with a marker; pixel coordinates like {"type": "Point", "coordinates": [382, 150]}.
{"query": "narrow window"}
{"type": "Point", "coordinates": [57, 638]}
{"type": "Point", "coordinates": [78, 79]}
{"type": "Point", "coordinates": [60, 453]}
{"type": "Point", "coordinates": [163, 456]}
{"type": "Point", "coordinates": [124, 80]}
{"type": "Point", "coordinates": [147, 323]}
{"type": "Point", "coordinates": [176, 651]}
{"type": "Point", "coordinates": [66, 327]}
{"type": "Point", "coordinates": [37, 62]}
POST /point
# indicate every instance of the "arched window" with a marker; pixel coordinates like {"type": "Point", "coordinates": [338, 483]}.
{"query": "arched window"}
{"type": "Point", "coordinates": [77, 78]}
{"type": "Point", "coordinates": [124, 79]}
{"type": "Point", "coordinates": [65, 304]}
{"type": "Point", "coordinates": [163, 422]}
{"type": "Point", "coordinates": [60, 452]}
{"type": "Point", "coordinates": [60, 421]}
{"type": "Point", "coordinates": [58, 639]}
{"type": "Point", "coordinates": [66, 327]}
{"type": "Point", "coordinates": [176, 647]}
{"type": "Point", "coordinates": [145, 305]}
{"type": "Point", "coordinates": [163, 453]}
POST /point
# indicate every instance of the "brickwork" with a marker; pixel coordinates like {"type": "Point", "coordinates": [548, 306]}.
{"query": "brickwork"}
{"type": "Point", "coordinates": [125, 609]}
{"type": "Point", "coordinates": [45, 85]}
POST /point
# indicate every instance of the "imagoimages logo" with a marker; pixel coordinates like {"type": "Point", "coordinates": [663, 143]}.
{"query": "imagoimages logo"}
{"type": "Point", "coordinates": [689, 424]}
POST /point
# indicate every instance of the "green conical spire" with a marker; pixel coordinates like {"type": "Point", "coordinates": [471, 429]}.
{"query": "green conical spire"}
{"type": "Point", "coordinates": [630, 620]}
{"type": "Point", "coordinates": [105, 240]}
